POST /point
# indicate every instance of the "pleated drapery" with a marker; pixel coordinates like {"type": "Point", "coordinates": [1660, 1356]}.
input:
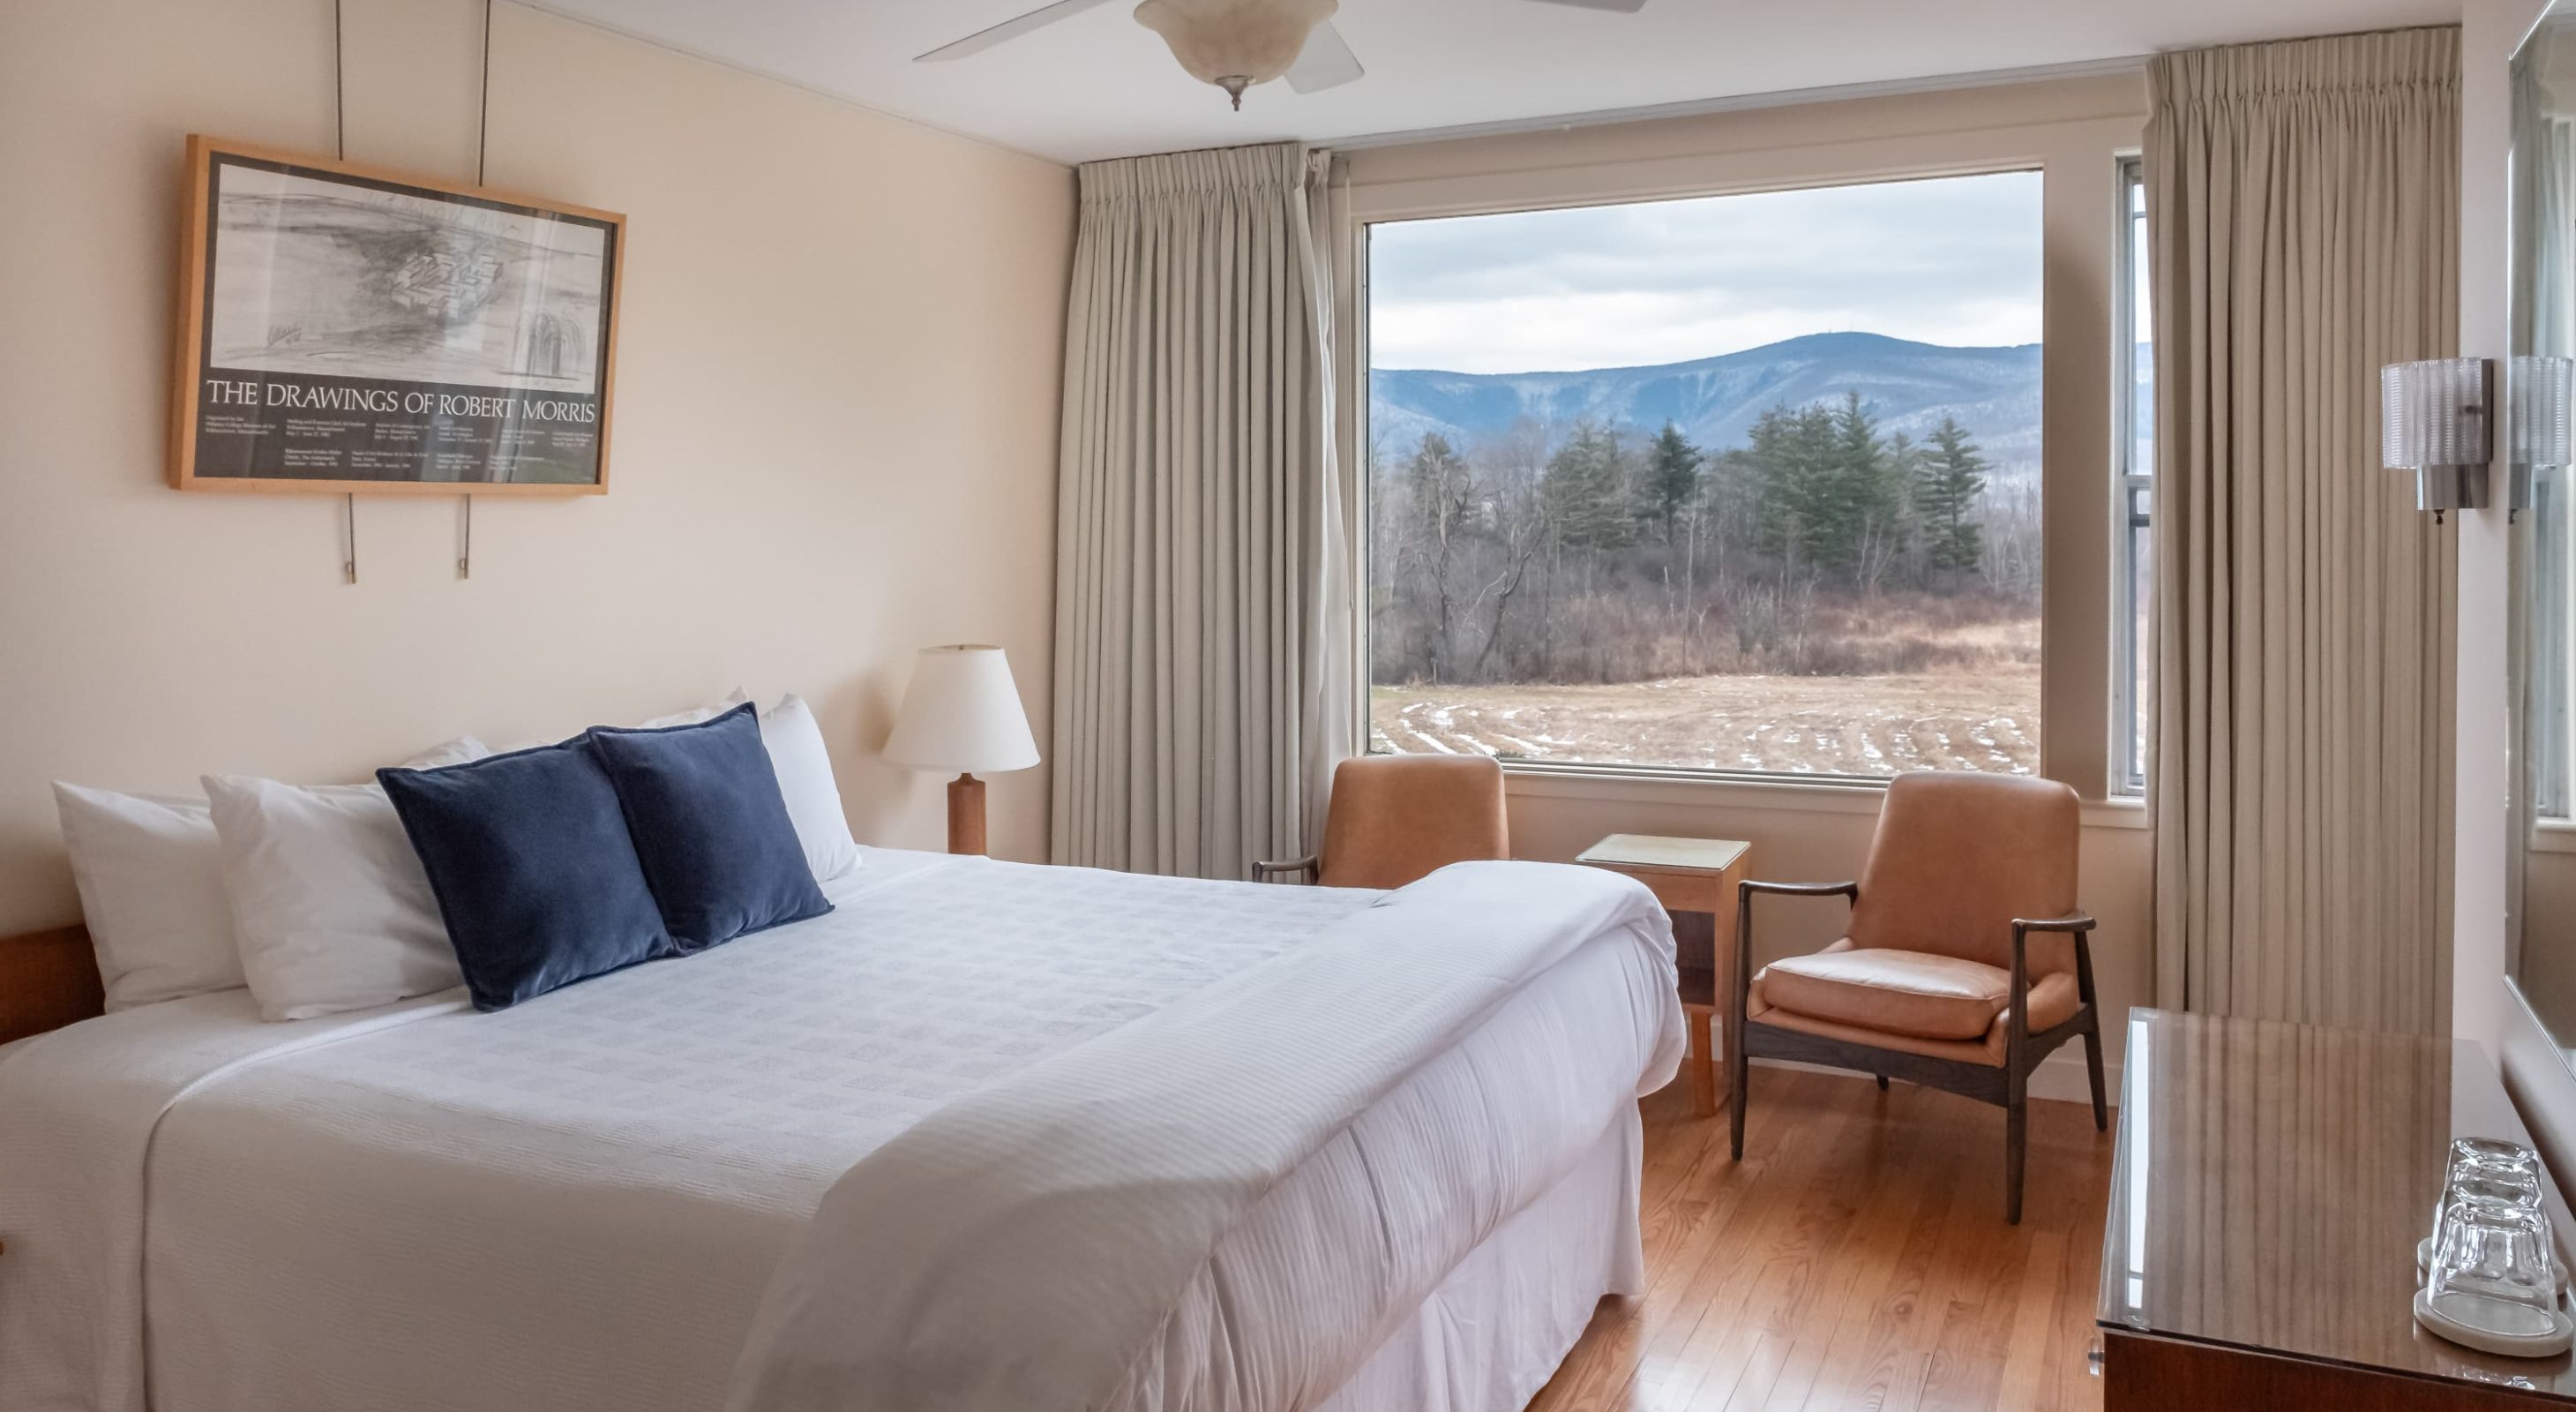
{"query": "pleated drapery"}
{"type": "Point", "coordinates": [2302, 209]}
{"type": "Point", "coordinates": [1198, 580]}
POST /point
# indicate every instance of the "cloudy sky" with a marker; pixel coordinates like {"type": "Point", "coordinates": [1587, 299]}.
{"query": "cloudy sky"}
{"type": "Point", "coordinates": [1954, 260]}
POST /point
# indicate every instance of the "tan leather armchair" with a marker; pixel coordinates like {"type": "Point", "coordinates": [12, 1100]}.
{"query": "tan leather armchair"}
{"type": "Point", "coordinates": [1965, 961]}
{"type": "Point", "coordinates": [1396, 818]}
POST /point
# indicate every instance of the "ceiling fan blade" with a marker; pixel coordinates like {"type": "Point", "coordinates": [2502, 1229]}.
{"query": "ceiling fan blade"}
{"type": "Point", "coordinates": [1625, 7]}
{"type": "Point", "coordinates": [984, 39]}
{"type": "Point", "coordinates": [1325, 62]}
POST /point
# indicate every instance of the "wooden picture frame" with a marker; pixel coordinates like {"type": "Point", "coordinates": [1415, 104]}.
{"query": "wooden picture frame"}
{"type": "Point", "coordinates": [344, 328]}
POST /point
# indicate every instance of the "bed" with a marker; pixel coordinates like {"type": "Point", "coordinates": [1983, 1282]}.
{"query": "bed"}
{"type": "Point", "coordinates": [987, 1135]}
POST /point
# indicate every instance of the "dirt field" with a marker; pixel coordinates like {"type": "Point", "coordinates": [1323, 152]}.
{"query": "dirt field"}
{"type": "Point", "coordinates": [1876, 725]}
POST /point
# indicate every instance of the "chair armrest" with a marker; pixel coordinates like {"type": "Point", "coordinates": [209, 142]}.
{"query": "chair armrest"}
{"type": "Point", "coordinates": [1744, 893]}
{"type": "Point", "coordinates": [2074, 924]}
{"type": "Point", "coordinates": [1264, 872]}
{"type": "Point", "coordinates": [1840, 889]}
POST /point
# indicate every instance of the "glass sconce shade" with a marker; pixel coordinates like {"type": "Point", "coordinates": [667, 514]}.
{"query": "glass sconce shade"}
{"type": "Point", "coordinates": [2536, 436]}
{"type": "Point", "coordinates": [2537, 393]}
{"type": "Point", "coordinates": [2437, 419]}
{"type": "Point", "coordinates": [2434, 413]}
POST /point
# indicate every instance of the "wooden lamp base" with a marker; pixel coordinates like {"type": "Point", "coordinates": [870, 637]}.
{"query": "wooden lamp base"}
{"type": "Point", "coordinates": [966, 815]}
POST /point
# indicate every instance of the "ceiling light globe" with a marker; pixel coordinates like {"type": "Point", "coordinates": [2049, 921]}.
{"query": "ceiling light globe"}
{"type": "Point", "coordinates": [1235, 44]}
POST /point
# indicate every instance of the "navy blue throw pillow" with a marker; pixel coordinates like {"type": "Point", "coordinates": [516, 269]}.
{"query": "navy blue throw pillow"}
{"type": "Point", "coordinates": [535, 876]}
{"type": "Point", "coordinates": [710, 827]}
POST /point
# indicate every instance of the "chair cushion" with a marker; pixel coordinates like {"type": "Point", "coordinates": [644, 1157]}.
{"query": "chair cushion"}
{"type": "Point", "coordinates": [1900, 992]}
{"type": "Point", "coordinates": [2053, 1001]}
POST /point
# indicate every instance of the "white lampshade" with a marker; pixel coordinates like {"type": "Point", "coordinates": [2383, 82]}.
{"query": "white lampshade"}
{"type": "Point", "coordinates": [962, 712]}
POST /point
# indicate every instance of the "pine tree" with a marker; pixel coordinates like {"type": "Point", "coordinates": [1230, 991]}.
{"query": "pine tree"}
{"type": "Point", "coordinates": [1947, 481]}
{"type": "Point", "coordinates": [1860, 499]}
{"type": "Point", "coordinates": [1585, 496]}
{"type": "Point", "coordinates": [1904, 466]}
{"type": "Point", "coordinates": [1672, 479]}
{"type": "Point", "coordinates": [1789, 453]}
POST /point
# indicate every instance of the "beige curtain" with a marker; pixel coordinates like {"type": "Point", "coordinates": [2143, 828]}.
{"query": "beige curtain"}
{"type": "Point", "coordinates": [1198, 580]}
{"type": "Point", "coordinates": [2302, 206]}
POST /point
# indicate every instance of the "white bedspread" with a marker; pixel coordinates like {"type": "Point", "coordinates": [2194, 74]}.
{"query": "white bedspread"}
{"type": "Point", "coordinates": [574, 1204]}
{"type": "Point", "coordinates": [1165, 1218]}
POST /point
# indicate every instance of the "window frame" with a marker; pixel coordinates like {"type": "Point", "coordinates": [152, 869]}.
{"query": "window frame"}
{"type": "Point", "coordinates": [2132, 495]}
{"type": "Point", "coordinates": [1359, 479]}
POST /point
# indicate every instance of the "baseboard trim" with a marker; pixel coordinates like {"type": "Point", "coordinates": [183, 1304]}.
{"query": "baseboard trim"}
{"type": "Point", "coordinates": [2059, 1077]}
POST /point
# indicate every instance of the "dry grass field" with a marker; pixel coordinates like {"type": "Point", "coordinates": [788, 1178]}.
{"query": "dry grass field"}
{"type": "Point", "coordinates": [1985, 718]}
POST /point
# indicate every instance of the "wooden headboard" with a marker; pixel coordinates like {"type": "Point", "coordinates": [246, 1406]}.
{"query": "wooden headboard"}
{"type": "Point", "coordinates": [48, 979]}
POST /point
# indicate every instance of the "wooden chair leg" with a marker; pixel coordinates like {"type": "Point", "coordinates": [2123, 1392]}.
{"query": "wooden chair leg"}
{"type": "Point", "coordinates": [2093, 1071]}
{"type": "Point", "coordinates": [1735, 1074]}
{"type": "Point", "coordinates": [1702, 1061]}
{"type": "Point", "coordinates": [2016, 1123]}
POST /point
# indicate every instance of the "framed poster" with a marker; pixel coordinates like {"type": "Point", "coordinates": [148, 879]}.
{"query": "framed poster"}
{"type": "Point", "coordinates": [343, 328]}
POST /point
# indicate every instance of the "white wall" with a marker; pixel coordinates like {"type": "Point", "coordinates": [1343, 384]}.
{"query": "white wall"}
{"type": "Point", "coordinates": [2071, 129]}
{"type": "Point", "coordinates": [835, 420]}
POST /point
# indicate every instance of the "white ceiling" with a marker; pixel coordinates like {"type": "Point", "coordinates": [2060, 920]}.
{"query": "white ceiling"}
{"type": "Point", "coordinates": [1101, 85]}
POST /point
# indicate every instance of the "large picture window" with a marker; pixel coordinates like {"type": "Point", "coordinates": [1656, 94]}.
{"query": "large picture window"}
{"type": "Point", "coordinates": [1744, 483]}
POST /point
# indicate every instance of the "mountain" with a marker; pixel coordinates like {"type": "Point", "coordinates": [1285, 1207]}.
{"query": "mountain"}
{"type": "Point", "coordinates": [1994, 392]}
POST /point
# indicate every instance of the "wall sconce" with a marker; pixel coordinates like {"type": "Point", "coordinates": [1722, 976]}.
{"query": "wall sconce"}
{"type": "Point", "coordinates": [2536, 395]}
{"type": "Point", "coordinates": [2436, 418]}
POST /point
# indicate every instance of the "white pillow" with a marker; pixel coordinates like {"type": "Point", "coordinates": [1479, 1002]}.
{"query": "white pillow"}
{"type": "Point", "coordinates": [804, 770]}
{"type": "Point", "coordinates": [152, 894]}
{"type": "Point", "coordinates": [459, 751]}
{"type": "Point", "coordinates": [691, 717]}
{"type": "Point", "coordinates": [151, 878]}
{"type": "Point", "coordinates": [330, 906]}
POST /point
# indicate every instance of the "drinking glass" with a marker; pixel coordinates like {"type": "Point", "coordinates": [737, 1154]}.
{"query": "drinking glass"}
{"type": "Point", "coordinates": [2492, 1155]}
{"type": "Point", "coordinates": [2492, 1267]}
{"type": "Point", "coordinates": [2508, 1189]}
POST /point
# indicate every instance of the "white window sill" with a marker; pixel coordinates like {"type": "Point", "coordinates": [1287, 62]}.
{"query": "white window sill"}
{"type": "Point", "coordinates": [1704, 790]}
{"type": "Point", "coordinates": [2553, 836]}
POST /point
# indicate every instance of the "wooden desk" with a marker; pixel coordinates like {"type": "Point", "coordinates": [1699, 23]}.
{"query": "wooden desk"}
{"type": "Point", "coordinates": [1695, 879]}
{"type": "Point", "coordinates": [2271, 1183]}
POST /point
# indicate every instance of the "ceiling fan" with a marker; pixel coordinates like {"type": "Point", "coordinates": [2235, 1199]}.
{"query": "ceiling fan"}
{"type": "Point", "coordinates": [1233, 44]}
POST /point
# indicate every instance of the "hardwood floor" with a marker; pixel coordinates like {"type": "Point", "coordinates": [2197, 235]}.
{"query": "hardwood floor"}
{"type": "Point", "coordinates": [1856, 1258]}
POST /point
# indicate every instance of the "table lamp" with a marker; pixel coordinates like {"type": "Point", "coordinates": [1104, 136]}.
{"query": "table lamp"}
{"type": "Point", "coordinates": [962, 712]}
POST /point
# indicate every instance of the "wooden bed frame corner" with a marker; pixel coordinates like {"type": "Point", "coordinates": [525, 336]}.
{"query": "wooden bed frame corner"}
{"type": "Point", "coordinates": [48, 979]}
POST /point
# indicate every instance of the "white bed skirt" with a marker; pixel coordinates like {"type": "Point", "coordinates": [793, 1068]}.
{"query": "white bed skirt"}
{"type": "Point", "coordinates": [1494, 1332]}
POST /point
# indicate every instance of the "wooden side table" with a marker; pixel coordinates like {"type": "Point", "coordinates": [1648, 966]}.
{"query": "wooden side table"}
{"type": "Point", "coordinates": [1695, 879]}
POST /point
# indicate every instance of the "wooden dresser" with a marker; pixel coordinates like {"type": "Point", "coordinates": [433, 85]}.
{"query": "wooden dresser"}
{"type": "Point", "coordinates": [2271, 1183]}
